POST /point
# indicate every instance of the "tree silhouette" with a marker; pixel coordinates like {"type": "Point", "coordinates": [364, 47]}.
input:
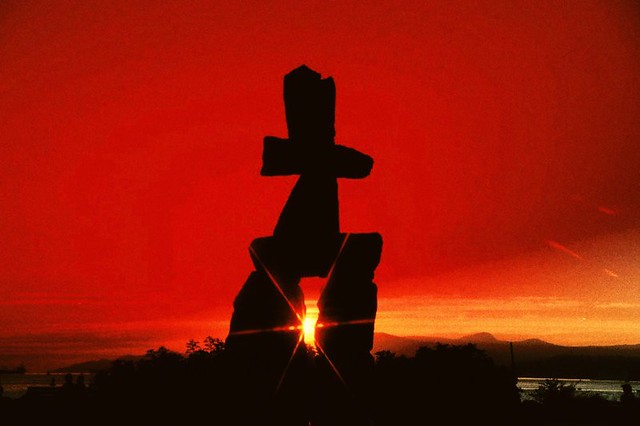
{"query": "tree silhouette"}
{"type": "Point", "coordinates": [193, 346]}
{"type": "Point", "coordinates": [458, 383]}
{"type": "Point", "coordinates": [213, 345]}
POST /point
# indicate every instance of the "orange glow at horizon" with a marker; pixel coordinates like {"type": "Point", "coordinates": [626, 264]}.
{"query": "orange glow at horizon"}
{"type": "Point", "coordinates": [569, 324]}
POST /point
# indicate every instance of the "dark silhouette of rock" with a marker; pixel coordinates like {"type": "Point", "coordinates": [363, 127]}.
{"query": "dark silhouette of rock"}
{"type": "Point", "coordinates": [306, 242]}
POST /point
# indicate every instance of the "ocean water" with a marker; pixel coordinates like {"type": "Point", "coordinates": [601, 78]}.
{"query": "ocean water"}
{"type": "Point", "coordinates": [609, 389]}
{"type": "Point", "coordinates": [15, 385]}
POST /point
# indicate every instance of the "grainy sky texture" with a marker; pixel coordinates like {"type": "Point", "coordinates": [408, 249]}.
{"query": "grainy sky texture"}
{"type": "Point", "coordinates": [506, 183]}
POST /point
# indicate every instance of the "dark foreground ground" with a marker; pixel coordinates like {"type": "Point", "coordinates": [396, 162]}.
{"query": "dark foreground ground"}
{"type": "Point", "coordinates": [452, 385]}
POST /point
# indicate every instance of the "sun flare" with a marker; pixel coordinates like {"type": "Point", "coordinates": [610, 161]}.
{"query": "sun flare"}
{"type": "Point", "coordinates": [309, 326]}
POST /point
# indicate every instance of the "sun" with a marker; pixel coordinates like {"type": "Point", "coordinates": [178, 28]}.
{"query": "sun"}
{"type": "Point", "coordinates": [309, 326]}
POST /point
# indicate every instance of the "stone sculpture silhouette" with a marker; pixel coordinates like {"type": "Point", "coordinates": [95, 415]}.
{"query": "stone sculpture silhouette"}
{"type": "Point", "coordinates": [282, 385]}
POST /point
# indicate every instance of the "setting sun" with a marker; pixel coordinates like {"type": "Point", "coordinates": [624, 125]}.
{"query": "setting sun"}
{"type": "Point", "coordinates": [309, 326]}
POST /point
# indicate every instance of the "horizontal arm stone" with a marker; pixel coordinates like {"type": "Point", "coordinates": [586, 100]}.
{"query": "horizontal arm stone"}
{"type": "Point", "coordinates": [282, 157]}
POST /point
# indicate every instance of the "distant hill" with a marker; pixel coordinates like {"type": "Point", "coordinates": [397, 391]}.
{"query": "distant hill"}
{"type": "Point", "coordinates": [408, 346]}
{"type": "Point", "coordinates": [534, 357]}
{"type": "Point", "coordinates": [93, 366]}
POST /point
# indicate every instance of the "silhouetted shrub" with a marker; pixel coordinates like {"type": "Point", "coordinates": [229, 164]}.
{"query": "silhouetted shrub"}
{"type": "Point", "coordinates": [459, 383]}
{"type": "Point", "coordinates": [553, 391]}
{"type": "Point", "coordinates": [454, 385]}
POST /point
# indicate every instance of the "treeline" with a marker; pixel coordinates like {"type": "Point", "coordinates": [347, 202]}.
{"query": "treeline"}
{"type": "Point", "coordinates": [442, 384]}
{"type": "Point", "coordinates": [457, 383]}
{"type": "Point", "coordinates": [21, 369]}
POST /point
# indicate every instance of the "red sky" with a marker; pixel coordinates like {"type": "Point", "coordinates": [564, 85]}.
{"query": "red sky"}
{"type": "Point", "coordinates": [506, 184]}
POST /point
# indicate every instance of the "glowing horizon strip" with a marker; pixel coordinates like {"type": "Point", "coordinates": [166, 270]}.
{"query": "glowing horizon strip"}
{"type": "Point", "coordinates": [337, 323]}
{"type": "Point", "coordinates": [266, 330]}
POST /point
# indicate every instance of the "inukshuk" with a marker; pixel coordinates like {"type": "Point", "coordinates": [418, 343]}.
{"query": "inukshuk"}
{"type": "Point", "coordinates": [274, 374]}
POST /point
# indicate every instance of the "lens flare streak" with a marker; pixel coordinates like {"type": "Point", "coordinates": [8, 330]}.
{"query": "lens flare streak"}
{"type": "Point", "coordinates": [286, 368]}
{"type": "Point", "coordinates": [344, 243]}
{"type": "Point", "coordinates": [337, 323]}
{"type": "Point", "coordinates": [266, 330]}
{"type": "Point", "coordinates": [306, 326]}
{"type": "Point", "coordinates": [344, 383]}
{"type": "Point", "coordinates": [275, 283]}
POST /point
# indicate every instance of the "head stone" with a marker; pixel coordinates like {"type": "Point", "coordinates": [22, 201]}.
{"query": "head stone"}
{"type": "Point", "coordinates": [310, 103]}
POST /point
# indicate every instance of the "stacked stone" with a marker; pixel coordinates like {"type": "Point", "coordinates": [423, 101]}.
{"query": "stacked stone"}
{"type": "Point", "coordinates": [274, 374]}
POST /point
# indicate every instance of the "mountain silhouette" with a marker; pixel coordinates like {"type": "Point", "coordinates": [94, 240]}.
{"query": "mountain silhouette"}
{"type": "Point", "coordinates": [94, 365]}
{"type": "Point", "coordinates": [533, 357]}
{"type": "Point", "coordinates": [528, 353]}
{"type": "Point", "coordinates": [479, 338]}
